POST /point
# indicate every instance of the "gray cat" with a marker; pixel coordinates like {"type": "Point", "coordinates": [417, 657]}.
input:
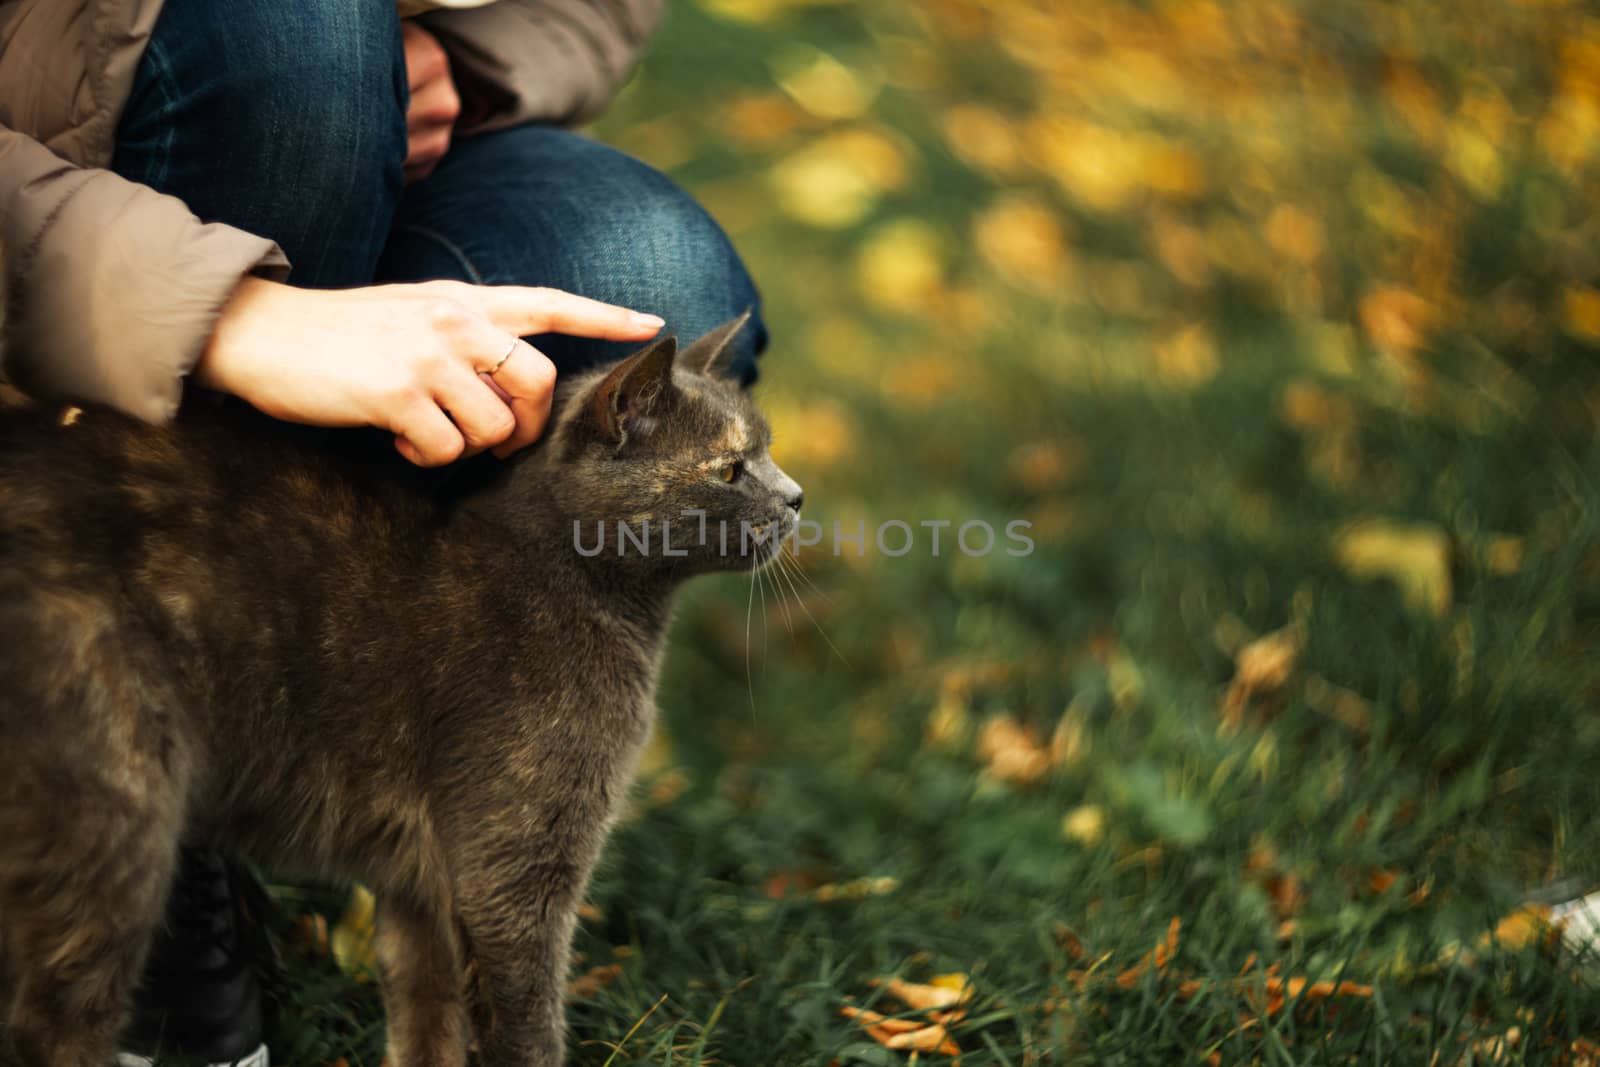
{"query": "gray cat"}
{"type": "Point", "coordinates": [211, 632]}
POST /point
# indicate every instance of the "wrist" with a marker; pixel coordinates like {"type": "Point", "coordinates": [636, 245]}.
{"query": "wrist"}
{"type": "Point", "coordinates": [218, 364]}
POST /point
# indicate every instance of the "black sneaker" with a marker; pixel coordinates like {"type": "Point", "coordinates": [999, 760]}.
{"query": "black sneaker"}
{"type": "Point", "coordinates": [200, 996]}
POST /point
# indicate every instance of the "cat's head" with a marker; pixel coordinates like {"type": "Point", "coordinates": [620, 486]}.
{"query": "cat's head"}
{"type": "Point", "coordinates": [668, 446]}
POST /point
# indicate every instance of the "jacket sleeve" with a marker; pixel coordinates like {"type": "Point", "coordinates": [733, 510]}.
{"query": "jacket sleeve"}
{"type": "Point", "coordinates": [542, 60]}
{"type": "Point", "coordinates": [113, 287]}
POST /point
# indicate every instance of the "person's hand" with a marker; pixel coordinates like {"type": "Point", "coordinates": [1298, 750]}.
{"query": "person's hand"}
{"type": "Point", "coordinates": [412, 359]}
{"type": "Point", "coordinates": [435, 103]}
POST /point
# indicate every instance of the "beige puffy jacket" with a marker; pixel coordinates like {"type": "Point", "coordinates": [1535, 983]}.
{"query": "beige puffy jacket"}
{"type": "Point", "coordinates": [113, 287]}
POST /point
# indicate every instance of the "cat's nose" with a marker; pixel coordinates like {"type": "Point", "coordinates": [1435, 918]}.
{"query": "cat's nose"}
{"type": "Point", "coordinates": [797, 498]}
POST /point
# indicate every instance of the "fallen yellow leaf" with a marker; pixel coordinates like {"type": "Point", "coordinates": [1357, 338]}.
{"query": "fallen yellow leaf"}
{"type": "Point", "coordinates": [933, 1038]}
{"type": "Point", "coordinates": [954, 990]}
{"type": "Point", "coordinates": [1414, 555]}
{"type": "Point", "coordinates": [1013, 752]}
{"type": "Point", "coordinates": [874, 1021]}
{"type": "Point", "coordinates": [352, 937]}
{"type": "Point", "coordinates": [1262, 667]}
{"type": "Point", "coordinates": [857, 889]}
{"type": "Point", "coordinates": [1085, 824]}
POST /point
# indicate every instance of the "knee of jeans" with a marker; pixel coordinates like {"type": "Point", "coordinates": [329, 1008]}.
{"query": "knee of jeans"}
{"type": "Point", "coordinates": [696, 278]}
{"type": "Point", "coordinates": [320, 83]}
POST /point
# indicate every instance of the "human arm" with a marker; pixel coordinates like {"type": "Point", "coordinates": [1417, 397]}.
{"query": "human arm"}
{"type": "Point", "coordinates": [117, 293]}
{"type": "Point", "coordinates": [113, 287]}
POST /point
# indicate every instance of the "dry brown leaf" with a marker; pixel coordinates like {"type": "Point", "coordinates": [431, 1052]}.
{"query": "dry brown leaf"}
{"type": "Point", "coordinates": [593, 980]}
{"type": "Point", "coordinates": [1304, 991]}
{"type": "Point", "coordinates": [1346, 707]}
{"type": "Point", "coordinates": [786, 884]}
{"type": "Point", "coordinates": [311, 933]}
{"type": "Point", "coordinates": [1286, 893]}
{"type": "Point", "coordinates": [1158, 957]}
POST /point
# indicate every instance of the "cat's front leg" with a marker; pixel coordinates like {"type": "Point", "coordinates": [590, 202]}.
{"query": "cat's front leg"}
{"type": "Point", "coordinates": [519, 933]}
{"type": "Point", "coordinates": [423, 985]}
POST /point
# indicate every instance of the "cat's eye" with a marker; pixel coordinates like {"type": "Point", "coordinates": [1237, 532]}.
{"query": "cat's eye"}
{"type": "Point", "coordinates": [731, 472]}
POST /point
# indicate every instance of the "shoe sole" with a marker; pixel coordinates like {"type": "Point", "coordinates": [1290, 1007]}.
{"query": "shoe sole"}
{"type": "Point", "coordinates": [258, 1058]}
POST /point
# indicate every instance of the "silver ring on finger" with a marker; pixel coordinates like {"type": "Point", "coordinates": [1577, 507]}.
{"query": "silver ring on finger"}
{"type": "Point", "coordinates": [501, 362]}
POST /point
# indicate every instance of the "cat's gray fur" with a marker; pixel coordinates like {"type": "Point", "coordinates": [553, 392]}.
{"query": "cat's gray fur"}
{"type": "Point", "coordinates": [211, 632]}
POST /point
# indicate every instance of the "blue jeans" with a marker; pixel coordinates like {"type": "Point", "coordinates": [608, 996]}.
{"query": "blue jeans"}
{"type": "Point", "coordinates": [286, 118]}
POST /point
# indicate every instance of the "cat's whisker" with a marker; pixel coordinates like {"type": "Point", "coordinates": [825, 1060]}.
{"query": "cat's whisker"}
{"type": "Point", "coordinates": [799, 568]}
{"type": "Point", "coordinates": [782, 593]}
{"type": "Point", "coordinates": [762, 580]}
{"type": "Point", "coordinates": [749, 683]}
{"type": "Point", "coordinates": [798, 599]}
{"type": "Point", "coordinates": [785, 582]}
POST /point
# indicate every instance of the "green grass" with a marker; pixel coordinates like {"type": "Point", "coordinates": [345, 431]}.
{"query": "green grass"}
{"type": "Point", "coordinates": [1186, 497]}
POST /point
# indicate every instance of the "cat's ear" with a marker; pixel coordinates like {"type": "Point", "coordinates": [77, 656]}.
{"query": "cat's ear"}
{"type": "Point", "coordinates": [633, 387]}
{"type": "Point", "coordinates": [713, 352]}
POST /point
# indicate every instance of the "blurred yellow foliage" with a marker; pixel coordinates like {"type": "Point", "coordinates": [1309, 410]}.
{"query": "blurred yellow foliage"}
{"type": "Point", "coordinates": [1294, 234]}
{"type": "Point", "coordinates": [836, 180]}
{"type": "Point", "coordinates": [1021, 237]}
{"type": "Point", "coordinates": [1188, 356]}
{"type": "Point", "coordinates": [1396, 319]}
{"type": "Point", "coordinates": [810, 434]}
{"type": "Point", "coordinates": [922, 381]}
{"type": "Point", "coordinates": [1105, 169]}
{"type": "Point", "coordinates": [758, 10]}
{"type": "Point", "coordinates": [825, 87]}
{"type": "Point", "coordinates": [1582, 314]}
{"type": "Point", "coordinates": [761, 118]}
{"type": "Point", "coordinates": [983, 138]}
{"type": "Point", "coordinates": [1041, 466]}
{"type": "Point", "coordinates": [898, 266]}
